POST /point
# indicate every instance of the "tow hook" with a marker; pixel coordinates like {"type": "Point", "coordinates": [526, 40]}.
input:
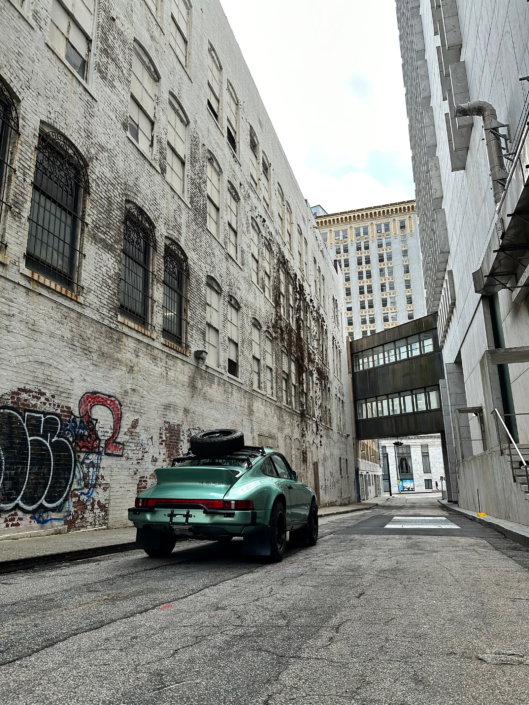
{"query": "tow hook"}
{"type": "Point", "coordinates": [172, 514]}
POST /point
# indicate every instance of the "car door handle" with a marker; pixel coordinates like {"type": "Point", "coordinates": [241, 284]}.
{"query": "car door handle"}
{"type": "Point", "coordinates": [290, 487]}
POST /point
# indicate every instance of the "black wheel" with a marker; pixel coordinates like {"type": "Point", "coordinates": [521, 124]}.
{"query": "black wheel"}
{"type": "Point", "coordinates": [214, 444]}
{"type": "Point", "coordinates": [167, 543]}
{"type": "Point", "coordinates": [224, 539]}
{"type": "Point", "coordinates": [313, 524]}
{"type": "Point", "coordinates": [278, 531]}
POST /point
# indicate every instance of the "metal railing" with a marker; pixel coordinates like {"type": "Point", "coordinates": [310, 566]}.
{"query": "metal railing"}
{"type": "Point", "coordinates": [522, 462]}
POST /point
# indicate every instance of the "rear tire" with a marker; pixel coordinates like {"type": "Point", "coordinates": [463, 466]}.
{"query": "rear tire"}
{"type": "Point", "coordinates": [278, 530]}
{"type": "Point", "coordinates": [215, 444]}
{"type": "Point", "coordinates": [313, 524]}
{"type": "Point", "coordinates": [167, 543]}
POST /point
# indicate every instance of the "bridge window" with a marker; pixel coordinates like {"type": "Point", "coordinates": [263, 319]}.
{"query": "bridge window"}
{"type": "Point", "coordinates": [407, 402]}
{"type": "Point", "coordinates": [402, 349]}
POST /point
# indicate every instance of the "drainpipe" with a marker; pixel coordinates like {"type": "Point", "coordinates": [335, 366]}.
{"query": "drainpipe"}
{"type": "Point", "coordinates": [494, 151]}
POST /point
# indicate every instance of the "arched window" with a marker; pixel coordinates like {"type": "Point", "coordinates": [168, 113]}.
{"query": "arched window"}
{"type": "Point", "coordinates": [142, 99]}
{"type": "Point", "coordinates": [213, 294]}
{"type": "Point", "coordinates": [8, 125]}
{"type": "Point", "coordinates": [139, 242]}
{"type": "Point", "coordinates": [175, 298]}
{"type": "Point", "coordinates": [59, 187]}
{"type": "Point", "coordinates": [176, 145]}
{"type": "Point", "coordinates": [233, 336]}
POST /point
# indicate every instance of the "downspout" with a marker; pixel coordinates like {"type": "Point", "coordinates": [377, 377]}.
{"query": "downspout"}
{"type": "Point", "coordinates": [486, 111]}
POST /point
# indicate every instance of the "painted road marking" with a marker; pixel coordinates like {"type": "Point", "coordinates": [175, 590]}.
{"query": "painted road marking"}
{"type": "Point", "coordinates": [421, 523]}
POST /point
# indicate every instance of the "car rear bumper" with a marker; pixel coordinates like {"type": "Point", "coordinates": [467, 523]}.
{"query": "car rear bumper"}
{"type": "Point", "coordinates": [195, 521]}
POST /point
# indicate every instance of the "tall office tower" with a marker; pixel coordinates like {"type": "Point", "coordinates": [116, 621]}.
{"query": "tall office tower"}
{"type": "Point", "coordinates": [378, 253]}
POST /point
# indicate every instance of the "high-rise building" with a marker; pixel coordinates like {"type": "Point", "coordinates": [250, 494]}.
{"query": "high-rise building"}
{"type": "Point", "coordinates": [377, 251]}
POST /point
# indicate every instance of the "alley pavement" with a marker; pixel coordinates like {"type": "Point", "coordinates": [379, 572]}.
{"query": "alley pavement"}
{"type": "Point", "coordinates": [405, 604]}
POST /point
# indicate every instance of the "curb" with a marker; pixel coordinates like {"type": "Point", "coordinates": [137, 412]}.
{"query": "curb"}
{"type": "Point", "coordinates": [347, 511]}
{"type": "Point", "coordinates": [25, 563]}
{"type": "Point", "coordinates": [491, 522]}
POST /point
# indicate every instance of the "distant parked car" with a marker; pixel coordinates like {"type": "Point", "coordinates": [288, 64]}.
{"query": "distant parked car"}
{"type": "Point", "coordinates": [223, 489]}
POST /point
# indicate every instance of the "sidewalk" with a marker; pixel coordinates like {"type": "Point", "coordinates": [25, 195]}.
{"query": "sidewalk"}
{"type": "Point", "coordinates": [516, 532]}
{"type": "Point", "coordinates": [20, 553]}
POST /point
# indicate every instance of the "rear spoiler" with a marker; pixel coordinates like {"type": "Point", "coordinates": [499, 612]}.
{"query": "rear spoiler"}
{"type": "Point", "coordinates": [256, 449]}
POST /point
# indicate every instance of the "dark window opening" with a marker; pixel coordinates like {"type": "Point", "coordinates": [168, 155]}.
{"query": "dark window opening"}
{"type": "Point", "coordinates": [213, 111]}
{"type": "Point", "coordinates": [76, 61]}
{"type": "Point", "coordinates": [175, 294]}
{"type": "Point", "coordinates": [233, 367]}
{"type": "Point", "coordinates": [232, 141]}
{"type": "Point", "coordinates": [138, 239]}
{"type": "Point", "coordinates": [55, 216]}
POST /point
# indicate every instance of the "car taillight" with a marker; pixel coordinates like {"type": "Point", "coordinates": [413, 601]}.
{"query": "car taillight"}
{"type": "Point", "coordinates": [240, 504]}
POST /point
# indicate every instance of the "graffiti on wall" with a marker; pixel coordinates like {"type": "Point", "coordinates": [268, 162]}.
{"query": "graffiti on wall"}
{"type": "Point", "coordinates": [45, 459]}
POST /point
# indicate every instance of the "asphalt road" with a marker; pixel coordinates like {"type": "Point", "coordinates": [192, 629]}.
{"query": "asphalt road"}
{"type": "Point", "coordinates": [372, 615]}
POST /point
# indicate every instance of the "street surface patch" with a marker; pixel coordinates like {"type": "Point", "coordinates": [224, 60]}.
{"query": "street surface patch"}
{"type": "Point", "coordinates": [421, 523]}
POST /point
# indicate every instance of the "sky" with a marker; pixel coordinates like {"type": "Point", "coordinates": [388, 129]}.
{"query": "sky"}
{"type": "Point", "coordinates": [330, 76]}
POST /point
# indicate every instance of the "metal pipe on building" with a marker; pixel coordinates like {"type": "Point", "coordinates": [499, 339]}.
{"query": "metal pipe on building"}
{"type": "Point", "coordinates": [487, 112]}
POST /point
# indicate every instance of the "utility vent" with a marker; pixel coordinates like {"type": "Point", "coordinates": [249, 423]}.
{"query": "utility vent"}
{"type": "Point", "coordinates": [446, 306]}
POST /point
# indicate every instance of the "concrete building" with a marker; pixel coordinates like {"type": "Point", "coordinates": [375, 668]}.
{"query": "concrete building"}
{"type": "Point", "coordinates": [160, 270]}
{"type": "Point", "coordinates": [465, 67]}
{"type": "Point", "coordinates": [378, 252]}
{"type": "Point", "coordinates": [414, 466]}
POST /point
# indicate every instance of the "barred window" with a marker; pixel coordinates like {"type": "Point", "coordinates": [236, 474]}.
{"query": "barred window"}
{"type": "Point", "coordinates": [256, 355]}
{"type": "Point", "coordinates": [233, 222]}
{"type": "Point", "coordinates": [176, 146]}
{"type": "Point", "coordinates": [142, 100]}
{"type": "Point", "coordinates": [269, 365]}
{"type": "Point", "coordinates": [71, 33]}
{"type": "Point", "coordinates": [267, 188]}
{"type": "Point", "coordinates": [8, 126]}
{"type": "Point", "coordinates": [175, 302]}
{"type": "Point", "coordinates": [254, 158]}
{"type": "Point", "coordinates": [255, 253]}
{"type": "Point", "coordinates": [213, 174]}
{"type": "Point", "coordinates": [232, 113]}
{"type": "Point", "coordinates": [180, 29]}
{"type": "Point", "coordinates": [138, 243]}
{"type": "Point", "coordinates": [233, 339]}
{"type": "Point", "coordinates": [267, 272]}
{"type": "Point", "coordinates": [212, 325]}
{"type": "Point", "coordinates": [57, 203]}
{"type": "Point", "coordinates": [214, 83]}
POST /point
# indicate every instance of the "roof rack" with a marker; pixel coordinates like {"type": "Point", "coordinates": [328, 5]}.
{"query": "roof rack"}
{"type": "Point", "coordinates": [238, 453]}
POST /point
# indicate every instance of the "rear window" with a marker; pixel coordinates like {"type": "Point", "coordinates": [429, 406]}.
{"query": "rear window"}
{"type": "Point", "coordinates": [225, 462]}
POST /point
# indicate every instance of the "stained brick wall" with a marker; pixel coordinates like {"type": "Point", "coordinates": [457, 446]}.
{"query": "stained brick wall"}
{"type": "Point", "coordinates": [125, 402]}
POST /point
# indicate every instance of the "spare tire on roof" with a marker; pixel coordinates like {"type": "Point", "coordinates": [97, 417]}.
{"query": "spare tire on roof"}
{"type": "Point", "coordinates": [214, 444]}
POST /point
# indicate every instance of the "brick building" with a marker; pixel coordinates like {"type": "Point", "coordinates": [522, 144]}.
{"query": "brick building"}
{"type": "Point", "coordinates": [160, 270]}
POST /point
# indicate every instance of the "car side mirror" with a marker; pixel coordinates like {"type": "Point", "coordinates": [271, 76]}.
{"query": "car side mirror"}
{"type": "Point", "coordinates": [294, 476]}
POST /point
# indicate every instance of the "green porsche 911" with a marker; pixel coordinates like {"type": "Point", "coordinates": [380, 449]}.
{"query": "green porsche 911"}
{"type": "Point", "coordinates": [222, 489]}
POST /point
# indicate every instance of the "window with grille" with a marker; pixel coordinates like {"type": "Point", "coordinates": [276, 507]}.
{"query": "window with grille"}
{"type": "Point", "coordinates": [255, 253]}
{"type": "Point", "coordinates": [254, 158]}
{"type": "Point", "coordinates": [212, 325]}
{"type": "Point", "coordinates": [213, 188]}
{"type": "Point", "coordinates": [138, 243]}
{"type": "Point", "coordinates": [256, 356]}
{"type": "Point", "coordinates": [233, 339]}
{"type": "Point", "coordinates": [233, 222]}
{"type": "Point", "coordinates": [175, 305]}
{"type": "Point", "coordinates": [71, 33]}
{"type": "Point", "coordinates": [142, 100]}
{"type": "Point", "coordinates": [176, 146]}
{"type": "Point", "coordinates": [232, 115]}
{"type": "Point", "coordinates": [8, 126]}
{"type": "Point", "coordinates": [60, 185]}
{"type": "Point", "coordinates": [269, 365]}
{"type": "Point", "coordinates": [214, 83]}
{"type": "Point", "coordinates": [267, 272]}
{"type": "Point", "coordinates": [179, 30]}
